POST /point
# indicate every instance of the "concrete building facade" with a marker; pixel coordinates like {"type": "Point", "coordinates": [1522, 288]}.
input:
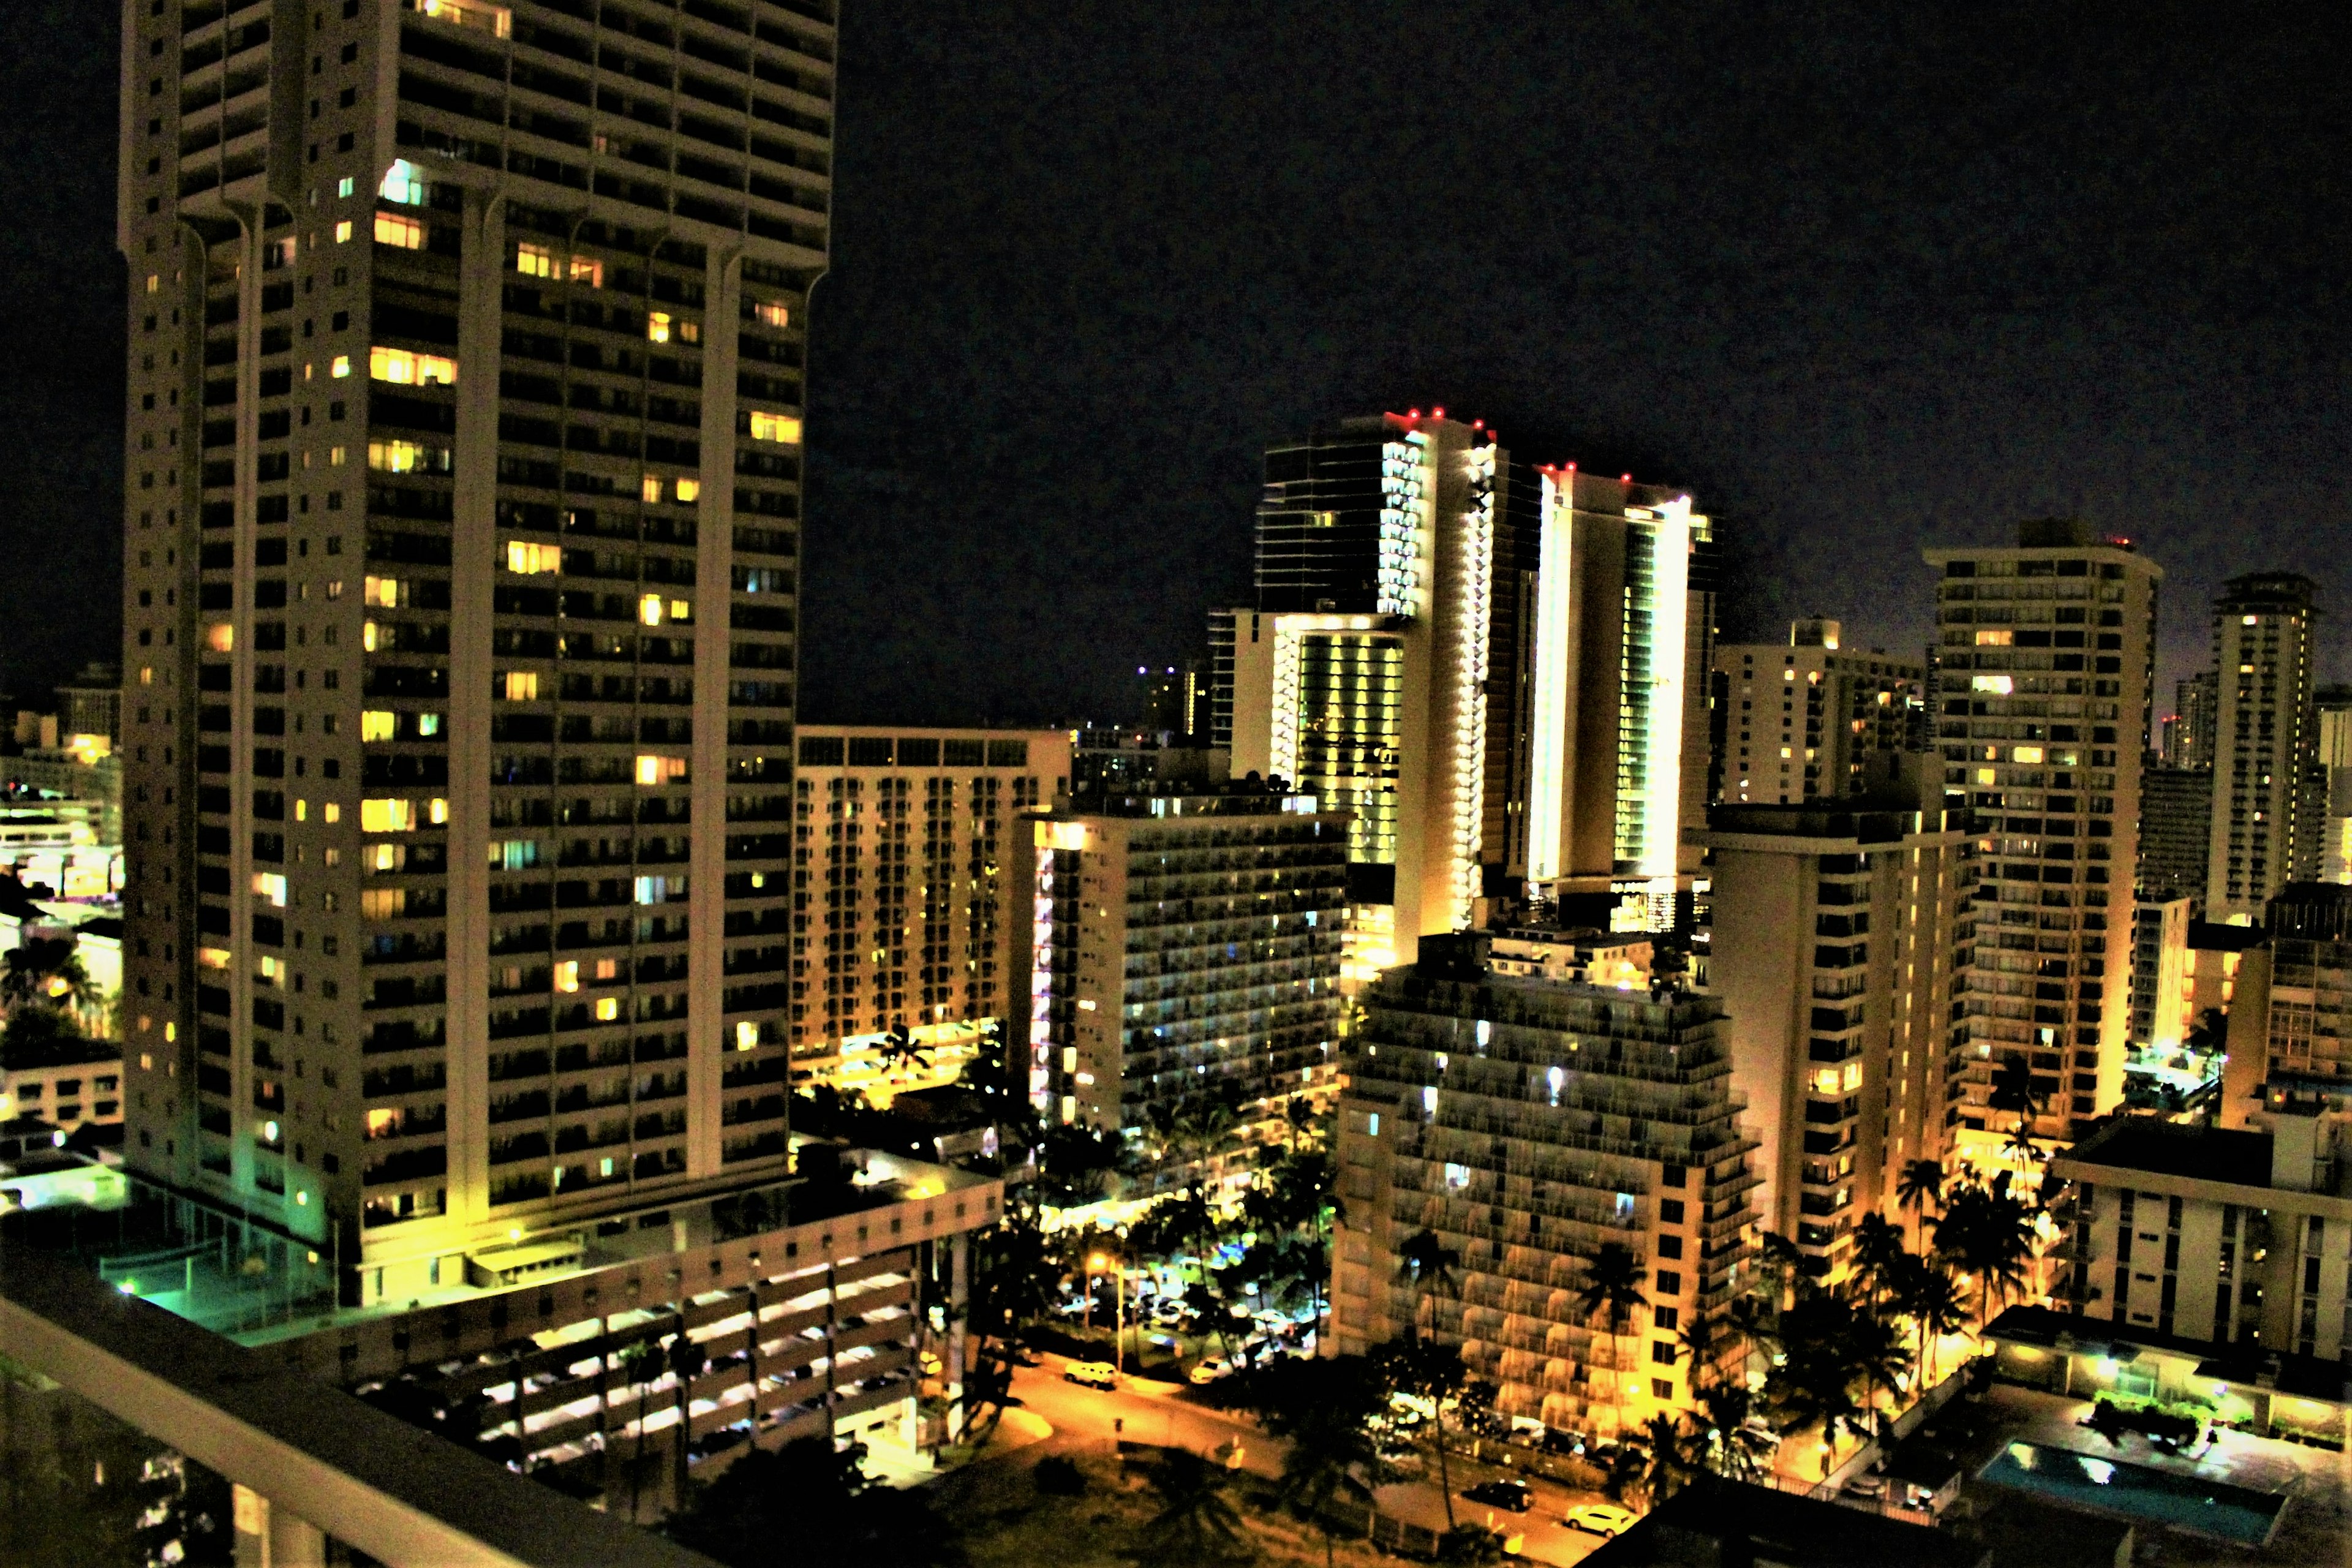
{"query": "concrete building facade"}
{"type": "Point", "coordinates": [1804, 720]}
{"type": "Point", "coordinates": [1528, 1123]}
{"type": "Point", "coordinates": [1839, 931]}
{"type": "Point", "coordinates": [462, 539]}
{"type": "Point", "coordinates": [1175, 947]}
{"type": "Point", "coordinates": [2046, 657]}
{"type": "Point", "coordinates": [2268, 808]}
{"type": "Point", "coordinates": [900, 838]}
{"type": "Point", "coordinates": [1499, 670]}
{"type": "Point", "coordinates": [2176, 827]}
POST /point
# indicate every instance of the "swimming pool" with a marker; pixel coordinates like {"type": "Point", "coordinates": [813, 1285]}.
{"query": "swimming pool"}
{"type": "Point", "coordinates": [2136, 1491]}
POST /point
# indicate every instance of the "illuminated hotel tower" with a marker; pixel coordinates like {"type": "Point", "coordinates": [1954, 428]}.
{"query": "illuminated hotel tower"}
{"type": "Point", "coordinates": [1499, 669]}
{"type": "Point", "coordinates": [2270, 792]}
{"type": "Point", "coordinates": [462, 552]}
{"type": "Point", "coordinates": [2047, 657]}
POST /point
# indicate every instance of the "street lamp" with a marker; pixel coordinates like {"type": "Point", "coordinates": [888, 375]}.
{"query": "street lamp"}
{"type": "Point", "coordinates": [1098, 1262]}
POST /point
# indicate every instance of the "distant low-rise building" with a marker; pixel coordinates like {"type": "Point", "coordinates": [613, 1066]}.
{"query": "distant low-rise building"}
{"type": "Point", "coordinates": [1527, 1124]}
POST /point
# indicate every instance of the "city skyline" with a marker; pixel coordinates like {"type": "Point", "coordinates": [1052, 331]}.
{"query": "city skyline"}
{"type": "Point", "coordinates": [2223, 440]}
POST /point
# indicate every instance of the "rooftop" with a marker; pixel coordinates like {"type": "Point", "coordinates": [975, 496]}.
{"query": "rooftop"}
{"type": "Point", "coordinates": [2172, 1149]}
{"type": "Point", "coordinates": [2209, 936]}
{"type": "Point", "coordinates": [2246, 1364]}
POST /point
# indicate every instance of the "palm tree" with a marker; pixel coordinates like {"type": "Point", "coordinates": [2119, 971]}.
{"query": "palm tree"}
{"type": "Point", "coordinates": [1918, 1187]}
{"type": "Point", "coordinates": [1785, 1261]}
{"type": "Point", "coordinates": [1731, 1447]}
{"type": "Point", "coordinates": [1698, 1344]}
{"type": "Point", "coordinates": [1196, 1521]}
{"type": "Point", "coordinates": [642, 1362]}
{"type": "Point", "coordinates": [1878, 1251]}
{"type": "Point", "coordinates": [1612, 1290]}
{"type": "Point", "coordinates": [1324, 1409]}
{"type": "Point", "coordinates": [1989, 1234]}
{"type": "Point", "coordinates": [1427, 1263]}
{"type": "Point", "coordinates": [1674, 1458]}
{"type": "Point", "coordinates": [1927, 1295]}
{"type": "Point", "coordinates": [901, 1050]}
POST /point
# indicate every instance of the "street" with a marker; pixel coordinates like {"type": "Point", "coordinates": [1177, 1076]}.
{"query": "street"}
{"type": "Point", "coordinates": [1146, 1411]}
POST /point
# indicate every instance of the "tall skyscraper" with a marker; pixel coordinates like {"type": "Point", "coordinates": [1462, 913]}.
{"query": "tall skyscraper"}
{"type": "Point", "coordinates": [2188, 732]}
{"type": "Point", "coordinates": [2268, 808]}
{"type": "Point", "coordinates": [2176, 827]}
{"type": "Point", "coordinates": [2333, 706]}
{"type": "Point", "coordinates": [1803, 720]}
{"type": "Point", "coordinates": [2047, 654]}
{"type": "Point", "coordinates": [1501, 670]}
{"type": "Point", "coordinates": [462, 541]}
{"type": "Point", "coordinates": [1838, 936]}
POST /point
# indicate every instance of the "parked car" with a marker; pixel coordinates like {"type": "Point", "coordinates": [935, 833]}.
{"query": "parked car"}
{"type": "Point", "coordinates": [1603, 1519]}
{"type": "Point", "coordinates": [1513, 1495]}
{"type": "Point", "coordinates": [1208, 1372]}
{"type": "Point", "coordinates": [1092, 1373]}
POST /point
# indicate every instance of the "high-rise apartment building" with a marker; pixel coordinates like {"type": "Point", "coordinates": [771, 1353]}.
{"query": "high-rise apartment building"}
{"type": "Point", "coordinates": [1803, 722]}
{"type": "Point", "coordinates": [2176, 827]}
{"type": "Point", "coordinates": [2188, 732]}
{"type": "Point", "coordinates": [1501, 671]}
{"type": "Point", "coordinates": [1177, 947]}
{"type": "Point", "coordinates": [2160, 972]}
{"type": "Point", "coordinates": [1528, 1123]}
{"type": "Point", "coordinates": [2268, 808]}
{"type": "Point", "coordinates": [1839, 932]}
{"type": "Point", "coordinates": [462, 539]}
{"type": "Point", "coordinates": [2333, 706]}
{"type": "Point", "coordinates": [2047, 653]}
{"type": "Point", "coordinates": [899, 842]}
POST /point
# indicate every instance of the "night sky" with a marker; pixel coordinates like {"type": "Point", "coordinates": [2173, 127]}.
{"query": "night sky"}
{"type": "Point", "coordinates": [1860, 277]}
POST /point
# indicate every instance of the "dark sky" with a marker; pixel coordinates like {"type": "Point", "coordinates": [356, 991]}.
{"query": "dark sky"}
{"type": "Point", "coordinates": [1860, 277]}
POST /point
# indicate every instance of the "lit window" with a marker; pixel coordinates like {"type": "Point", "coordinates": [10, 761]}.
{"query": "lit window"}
{"type": "Point", "coordinates": [772, 313]}
{"type": "Point", "coordinates": [1852, 1077]}
{"type": "Point", "coordinates": [146, 675]}
{"type": "Point", "coordinates": [271, 885]}
{"type": "Point", "coordinates": [2000, 684]}
{"type": "Point", "coordinates": [344, 187]}
{"type": "Point", "coordinates": [652, 769]}
{"type": "Point", "coordinates": [437, 811]}
{"type": "Point", "coordinates": [775, 427]}
{"type": "Point", "coordinates": [401, 184]}
{"type": "Point", "coordinates": [2002, 639]}
{"type": "Point", "coordinates": [496, 20]}
{"type": "Point", "coordinates": [387, 815]}
{"type": "Point", "coordinates": [404, 367]}
{"type": "Point", "coordinates": [607, 1009]}
{"type": "Point", "coordinates": [301, 811]}
{"type": "Point", "coordinates": [214, 957]}
{"type": "Point", "coordinates": [2026, 754]}
{"type": "Point", "coordinates": [589, 270]}
{"type": "Point", "coordinates": [567, 975]}
{"type": "Point", "coordinates": [649, 609]}
{"type": "Point", "coordinates": [534, 261]}
{"type": "Point", "coordinates": [608, 968]}
{"type": "Point", "coordinates": [384, 903]}
{"type": "Point", "coordinates": [531, 560]}
{"type": "Point", "coordinates": [377, 725]}
{"type": "Point", "coordinates": [343, 231]}
{"type": "Point", "coordinates": [747, 1036]}
{"type": "Point", "coordinates": [333, 812]}
{"type": "Point", "coordinates": [1985, 775]}
{"type": "Point", "coordinates": [335, 454]}
{"type": "Point", "coordinates": [522, 686]}
{"type": "Point", "coordinates": [428, 724]}
{"type": "Point", "coordinates": [220, 639]}
{"type": "Point", "coordinates": [151, 282]}
{"type": "Point", "coordinates": [407, 458]}
{"type": "Point", "coordinates": [689, 490]}
{"type": "Point", "coordinates": [369, 635]}
{"type": "Point", "coordinates": [1825, 1081]}
{"type": "Point", "coordinates": [681, 610]}
{"type": "Point", "coordinates": [652, 487]}
{"type": "Point", "coordinates": [657, 327]}
{"type": "Point", "coordinates": [515, 854]}
{"type": "Point", "coordinates": [384, 591]}
{"type": "Point", "coordinates": [652, 889]}
{"type": "Point", "coordinates": [396, 229]}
